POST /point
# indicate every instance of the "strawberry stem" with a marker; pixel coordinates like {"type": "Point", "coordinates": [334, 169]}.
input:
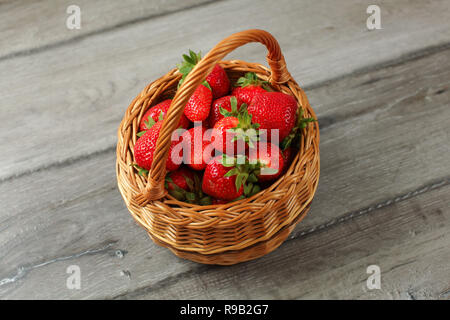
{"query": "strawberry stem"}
{"type": "Point", "coordinates": [141, 171]}
{"type": "Point", "coordinates": [245, 173]}
{"type": "Point", "coordinates": [246, 130]}
{"type": "Point", "coordinates": [188, 63]}
{"type": "Point", "coordinates": [250, 78]}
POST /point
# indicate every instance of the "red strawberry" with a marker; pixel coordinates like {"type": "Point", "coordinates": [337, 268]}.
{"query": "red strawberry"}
{"type": "Point", "coordinates": [217, 184]}
{"type": "Point", "coordinates": [219, 82]}
{"type": "Point", "coordinates": [223, 135]}
{"type": "Point", "coordinates": [217, 79]}
{"type": "Point", "coordinates": [246, 94]}
{"type": "Point", "coordinates": [225, 103]}
{"type": "Point", "coordinates": [198, 106]}
{"type": "Point", "coordinates": [197, 148]}
{"type": "Point", "coordinates": [269, 159]}
{"type": "Point", "coordinates": [145, 147]}
{"type": "Point", "coordinates": [248, 87]}
{"type": "Point", "coordinates": [233, 135]}
{"type": "Point", "coordinates": [155, 112]}
{"type": "Point", "coordinates": [229, 178]}
{"type": "Point", "coordinates": [274, 110]}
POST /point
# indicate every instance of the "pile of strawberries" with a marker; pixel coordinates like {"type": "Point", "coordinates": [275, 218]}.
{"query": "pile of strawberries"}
{"type": "Point", "coordinates": [232, 141]}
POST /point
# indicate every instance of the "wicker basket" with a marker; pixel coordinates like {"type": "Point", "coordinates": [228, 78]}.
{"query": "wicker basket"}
{"type": "Point", "coordinates": [229, 233]}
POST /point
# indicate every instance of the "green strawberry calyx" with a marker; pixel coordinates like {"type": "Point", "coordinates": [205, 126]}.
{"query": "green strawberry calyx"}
{"type": "Point", "coordinates": [246, 130]}
{"type": "Point", "coordinates": [234, 109]}
{"type": "Point", "coordinates": [294, 135]}
{"type": "Point", "coordinates": [250, 78]}
{"type": "Point", "coordinates": [150, 123]}
{"type": "Point", "coordinates": [141, 171]}
{"type": "Point", "coordinates": [188, 63]}
{"type": "Point", "coordinates": [245, 173]}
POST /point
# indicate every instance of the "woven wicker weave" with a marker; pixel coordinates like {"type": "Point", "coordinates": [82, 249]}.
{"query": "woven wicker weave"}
{"type": "Point", "coordinates": [227, 233]}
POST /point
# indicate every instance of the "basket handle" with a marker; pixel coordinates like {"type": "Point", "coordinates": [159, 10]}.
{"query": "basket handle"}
{"type": "Point", "coordinates": [154, 189]}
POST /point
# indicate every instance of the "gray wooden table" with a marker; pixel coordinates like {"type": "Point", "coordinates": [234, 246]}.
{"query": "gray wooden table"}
{"type": "Point", "coordinates": [382, 98]}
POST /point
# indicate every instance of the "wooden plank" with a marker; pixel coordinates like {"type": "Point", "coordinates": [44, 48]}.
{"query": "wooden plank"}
{"type": "Point", "coordinates": [32, 26]}
{"type": "Point", "coordinates": [78, 92]}
{"type": "Point", "coordinates": [375, 152]}
{"type": "Point", "coordinates": [408, 241]}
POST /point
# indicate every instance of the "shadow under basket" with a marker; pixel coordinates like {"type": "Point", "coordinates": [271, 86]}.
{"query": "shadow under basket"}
{"type": "Point", "coordinates": [229, 233]}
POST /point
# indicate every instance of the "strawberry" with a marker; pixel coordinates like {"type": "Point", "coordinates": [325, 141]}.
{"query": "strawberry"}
{"type": "Point", "coordinates": [217, 79]}
{"type": "Point", "coordinates": [197, 148]}
{"type": "Point", "coordinates": [228, 178]}
{"type": "Point", "coordinates": [185, 185]}
{"type": "Point", "coordinates": [217, 184]}
{"type": "Point", "coordinates": [225, 103]}
{"type": "Point", "coordinates": [246, 94]}
{"type": "Point", "coordinates": [198, 106]}
{"type": "Point", "coordinates": [145, 147]}
{"type": "Point", "coordinates": [248, 87]}
{"type": "Point", "coordinates": [219, 82]}
{"type": "Point", "coordinates": [224, 136]}
{"type": "Point", "coordinates": [274, 110]}
{"type": "Point", "coordinates": [269, 161]}
{"type": "Point", "coordinates": [233, 135]}
{"type": "Point", "coordinates": [155, 113]}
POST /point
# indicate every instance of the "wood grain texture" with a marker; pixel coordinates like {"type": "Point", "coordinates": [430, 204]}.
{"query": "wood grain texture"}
{"type": "Point", "coordinates": [408, 241]}
{"type": "Point", "coordinates": [28, 27]}
{"type": "Point", "coordinates": [72, 97]}
{"type": "Point", "coordinates": [384, 138]}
